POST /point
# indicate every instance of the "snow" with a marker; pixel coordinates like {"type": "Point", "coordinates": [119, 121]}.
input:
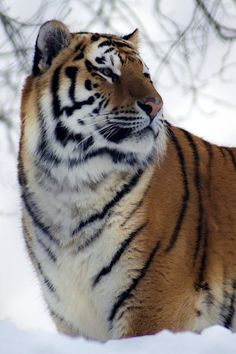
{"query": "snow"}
{"type": "Point", "coordinates": [214, 340]}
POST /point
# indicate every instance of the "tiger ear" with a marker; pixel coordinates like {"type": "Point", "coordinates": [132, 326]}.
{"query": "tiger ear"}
{"type": "Point", "coordinates": [133, 37]}
{"type": "Point", "coordinates": [53, 36]}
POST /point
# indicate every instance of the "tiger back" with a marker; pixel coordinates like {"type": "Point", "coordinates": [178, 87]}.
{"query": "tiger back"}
{"type": "Point", "coordinates": [129, 222]}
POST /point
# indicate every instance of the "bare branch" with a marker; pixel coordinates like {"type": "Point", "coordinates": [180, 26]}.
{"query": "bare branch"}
{"type": "Point", "coordinates": [224, 32]}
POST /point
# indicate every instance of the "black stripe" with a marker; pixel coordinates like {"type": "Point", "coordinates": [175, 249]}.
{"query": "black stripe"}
{"type": "Point", "coordinates": [71, 73]}
{"type": "Point", "coordinates": [107, 42]}
{"type": "Point", "coordinates": [116, 157]}
{"type": "Point", "coordinates": [80, 47]}
{"type": "Point", "coordinates": [127, 188]}
{"type": "Point", "coordinates": [92, 239]}
{"type": "Point", "coordinates": [69, 110]}
{"type": "Point", "coordinates": [100, 60]}
{"type": "Point", "coordinates": [21, 177]}
{"type": "Point", "coordinates": [197, 182]}
{"type": "Point", "coordinates": [109, 50]}
{"type": "Point", "coordinates": [231, 308]}
{"type": "Point", "coordinates": [46, 281]}
{"type": "Point", "coordinates": [33, 211]}
{"type": "Point", "coordinates": [97, 109]}
{"type": "Point", "coordinates": [79, 56]}
{"type": "Point", "coordinates": [200, 283]}
{"type": "Point", "coordinates": [122, 44]}
{"type": "Point", "coordinates": [147, 75]}
{"type": "Point", "coordinates": [228, 307]}
{"type": "Point", "coordinates": [123, 246]}
{"type": "Point", "coordinates": [209, 165]}
{"type": "Point", "coordinates": [58, 317]}
{"type": "Point", "coordinates": [231, 154]}
{"type": "Point", "coordinates": [43, 151]}
{"type": "Point", "coordinates": [229, 318]}
{"type": "Point", "coordinates": [90, 67]}
{"type": "Point", "coordinates": [222, 151]}
{"type": "Point", "coordinates": [44, 154]}
{"type": "Point", "coordinates": [54, 90]}
{"type": "Point", "coordinates": [64, 135]}
{"type": "Point", "coordinates": [117, 134]}
{"type": "Point", "coordinates": [136, 207]}
{"type": "Point", "coordinates": [49, 252]}
{"type": "Point", "coordinates": [88, 142]}
{"type": "Point", "coordinates": [88, 85]}
{"type": "Point", "coordinates": [121, 60]}
{"type": "Point", "coordinates": [127, 310]}
{"type": "Point", "coordinates": [64, 321]}
{"type": "Point", "coordinates": [95, 37]}
{"type": "Point", "coordinates": [134, 283]}
{"type": "Point", "coordinates": [186, 195]}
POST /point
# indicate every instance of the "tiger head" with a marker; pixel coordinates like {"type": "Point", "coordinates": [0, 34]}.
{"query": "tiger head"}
{"type": "Point", "coordinates": [96, 103]}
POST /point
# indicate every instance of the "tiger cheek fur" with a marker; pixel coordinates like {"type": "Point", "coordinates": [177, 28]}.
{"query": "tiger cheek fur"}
{"type": "Point", "coordinates": [129, 222]}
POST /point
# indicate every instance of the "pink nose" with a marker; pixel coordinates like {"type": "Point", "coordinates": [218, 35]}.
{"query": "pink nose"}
{"type": "Point", "coordinates": [154, 106]}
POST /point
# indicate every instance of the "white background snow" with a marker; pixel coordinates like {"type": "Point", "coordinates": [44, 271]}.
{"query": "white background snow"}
{"type": "Point", "coordinates": [25, 326]}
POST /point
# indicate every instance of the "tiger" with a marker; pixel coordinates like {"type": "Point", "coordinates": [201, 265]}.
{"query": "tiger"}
{"type": "Point", "coordinates": [129, 221]}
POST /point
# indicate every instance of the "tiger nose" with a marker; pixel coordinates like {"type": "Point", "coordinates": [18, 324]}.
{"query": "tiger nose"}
{"type": "Point", "coordinates": [151, 106]}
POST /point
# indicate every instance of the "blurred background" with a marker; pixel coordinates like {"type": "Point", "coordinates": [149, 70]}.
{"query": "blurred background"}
{"type": "Point", "coordinates": [190, 48]}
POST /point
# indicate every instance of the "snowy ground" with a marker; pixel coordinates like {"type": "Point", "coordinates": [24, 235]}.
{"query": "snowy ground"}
{"type": "Point", "coordinates": [215, 340]}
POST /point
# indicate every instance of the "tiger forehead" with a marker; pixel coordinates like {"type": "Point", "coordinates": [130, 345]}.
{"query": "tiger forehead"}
{"type": "Point", "coordinates": [105, 44]}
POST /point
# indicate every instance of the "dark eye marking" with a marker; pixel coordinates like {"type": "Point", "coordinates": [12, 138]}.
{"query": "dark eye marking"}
{"type": "Point", "coordinates": [109, 73]}
{"type": "Point", "coordinates": [100, 60]}
{"type": "Point", "coordinates": [88, 85]}
{"type": "Point", "coordinates": [106, 71]}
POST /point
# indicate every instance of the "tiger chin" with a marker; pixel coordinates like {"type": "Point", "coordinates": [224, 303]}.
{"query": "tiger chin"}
{"type": "Point", "coordinates": [130, 222]}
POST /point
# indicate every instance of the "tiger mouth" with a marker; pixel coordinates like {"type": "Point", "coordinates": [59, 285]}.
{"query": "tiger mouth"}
{"type": "Point", "coordinates": [117, 134]}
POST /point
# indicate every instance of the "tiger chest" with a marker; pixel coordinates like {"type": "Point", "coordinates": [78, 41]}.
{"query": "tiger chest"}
{"type": "Point", "coordinates": [78, 298]}
{"type": "Point", "coordinates": [83, 276]}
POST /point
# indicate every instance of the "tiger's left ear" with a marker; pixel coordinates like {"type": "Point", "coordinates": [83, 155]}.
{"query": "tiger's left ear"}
{"type": "Point", "coordinates": [133, 37]}
{"type": "Point", "coordinates": [52, 38]}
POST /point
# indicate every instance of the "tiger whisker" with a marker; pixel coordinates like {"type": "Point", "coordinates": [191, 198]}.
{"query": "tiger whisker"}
{"type": "Point", "coordinates": [94, 144]}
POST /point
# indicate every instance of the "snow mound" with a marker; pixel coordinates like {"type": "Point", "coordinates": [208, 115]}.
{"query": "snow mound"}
{"type": "Point", "coordinates": [214, 340]}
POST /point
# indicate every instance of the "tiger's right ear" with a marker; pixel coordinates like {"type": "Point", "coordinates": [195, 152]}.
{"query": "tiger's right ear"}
{"type": "Point", "coordinates": [52, 38]}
